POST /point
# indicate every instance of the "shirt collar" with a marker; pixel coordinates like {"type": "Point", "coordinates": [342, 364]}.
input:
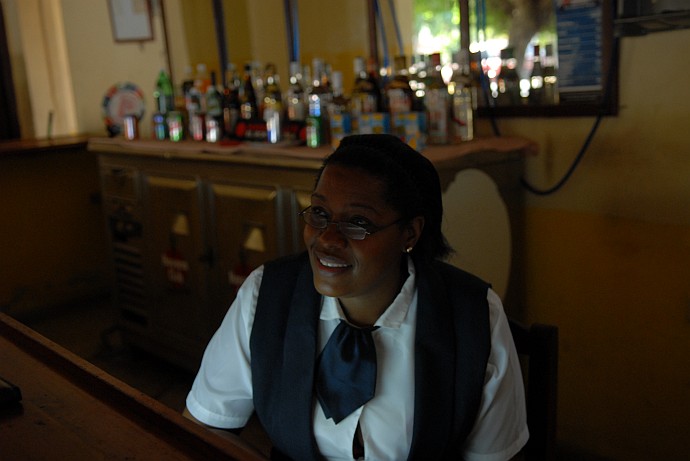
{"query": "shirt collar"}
{"type": "Point", "coordinates": [393, 316]}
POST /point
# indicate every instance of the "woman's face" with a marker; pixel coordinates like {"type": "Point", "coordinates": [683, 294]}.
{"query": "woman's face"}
{"type": "Point", "coordinates": [359, 272]}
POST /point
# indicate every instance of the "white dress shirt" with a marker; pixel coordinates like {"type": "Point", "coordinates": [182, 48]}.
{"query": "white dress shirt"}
{"type": "Point", "coordinates": [221, 395]}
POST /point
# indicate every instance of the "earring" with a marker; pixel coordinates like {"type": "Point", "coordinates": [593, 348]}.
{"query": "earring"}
{"type": "Point", "coordinates": [408, 250]}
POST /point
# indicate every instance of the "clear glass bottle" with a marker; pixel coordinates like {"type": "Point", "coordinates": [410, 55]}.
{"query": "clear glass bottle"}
{"type": "Point", "coordinates": [551, 95]}
{"type": "Point", "coordinates": [273, 105]}
{"type": "Point", "coordinates": [192, 96]}
{"type": "Point", "coordinates": [338, 111]}
{"type": "Point", "coordinates": [214, 111]}
{"type": "Point", "coordinates": [436, 103]}
{"type": "Point", "coordinates": [462, 103]}
{"type": "Point", "coordinates": [365, 96]}
{"type": "Point", "coordinates": [296, 111]}
{"type": "Point", "coordinates": [318, 98]}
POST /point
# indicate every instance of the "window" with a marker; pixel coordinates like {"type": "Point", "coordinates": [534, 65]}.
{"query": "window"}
{"type": "Point", "coordinates": [538, 57]}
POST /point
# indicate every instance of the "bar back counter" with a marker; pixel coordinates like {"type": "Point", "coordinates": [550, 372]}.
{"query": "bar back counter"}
{"type": "Point", "coordinates": [187, 221]}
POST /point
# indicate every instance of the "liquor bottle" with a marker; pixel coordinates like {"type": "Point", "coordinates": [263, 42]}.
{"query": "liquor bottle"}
{"type": "Point", "coordinates": [375, 80]}
{"type": "Point", "coordinates": [214, 111]}
{"type": "Point", "coordinates": [476, 76]}
{"type": "Point", "coordinates": [295, 94]}
{"type": "Point", "coordinates": [338, 111]}
{"type": "Point", "coordinates": [250, 126]}
{"type": "Point", "coordinates": [365, 96]}
{"type": "Point", "coordinates": [202, 80]}
{"type": "Point", "coordinates": [248, 102]}
{"type": "Point", "coordinates": [508, 80]}
{"type": "Point", "coordinates": [462, 104]}
{"type": "Point", "coordinates": [436, 102]}
{"type": "Point", "coordinates": [536, 79]}
{"type": "Point", "coordinates": [259, 84]}
{"type": "Point", "coordinates": [165, 98]}
{"type": "Point", "coordinates": [187, 82]}
{"type": "Point", "coordinates": [273, 105]}
{"type": "Point", "coordinates": [192, 98]}
{"type": "Point", "coordinates": [417, 82]}
{"type": "Point", "coordinates": [398, 91]}
{"type": "Point", "coordinates": [231, 101]}
{"type": "Point", "coordinates": [550, 77]}
{"type": "Point", "coordinates": [318, 98]}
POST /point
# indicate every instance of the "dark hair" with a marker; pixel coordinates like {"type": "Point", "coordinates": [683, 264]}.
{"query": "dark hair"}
{"type": "Point", "coordinates": [412, 186]}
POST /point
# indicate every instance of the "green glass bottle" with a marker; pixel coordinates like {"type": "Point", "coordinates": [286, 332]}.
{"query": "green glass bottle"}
{"type": "Point", "coordinates": [165, 98]}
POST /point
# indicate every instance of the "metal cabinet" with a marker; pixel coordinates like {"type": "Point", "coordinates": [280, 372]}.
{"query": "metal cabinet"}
{"type": "Point", "coordinates": [188, 221]}
{"type": "Point", "coordinates": [183, 237]}
{"type": "Point", "coordinates": [175, 271]}
{"type": "Point", "coordinates": [246, 227]}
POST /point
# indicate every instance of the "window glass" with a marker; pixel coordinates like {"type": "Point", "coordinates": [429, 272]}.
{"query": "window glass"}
{"type": "Point", "coordinates": [503, 32]}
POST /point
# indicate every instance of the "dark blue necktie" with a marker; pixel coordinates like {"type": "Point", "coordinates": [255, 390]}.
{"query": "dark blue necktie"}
{"type": "Point", "coordinates": [346, 376]}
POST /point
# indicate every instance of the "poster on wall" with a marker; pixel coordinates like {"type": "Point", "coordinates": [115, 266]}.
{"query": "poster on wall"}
{"type": "Point", "coordinates": [130, 20]}
{"type": "Point", "coordinates": [579, 31]}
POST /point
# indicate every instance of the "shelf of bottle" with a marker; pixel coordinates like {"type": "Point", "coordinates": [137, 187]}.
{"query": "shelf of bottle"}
{"type": "Point", "coordinates": [642, 25]}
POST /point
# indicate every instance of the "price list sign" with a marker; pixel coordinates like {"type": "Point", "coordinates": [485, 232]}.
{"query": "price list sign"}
{"type": "Point", "coordinates": [578, 24]}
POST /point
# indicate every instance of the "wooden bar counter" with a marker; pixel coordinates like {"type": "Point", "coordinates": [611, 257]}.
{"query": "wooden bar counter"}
{"type": "Point", "coordinates": [72, 410]}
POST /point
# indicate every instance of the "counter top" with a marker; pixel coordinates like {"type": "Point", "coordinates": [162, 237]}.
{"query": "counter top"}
{"type": "Point", "coordinates": [34, 146]}
{"type": "Point", "coordinates": [73, 410]}
{"type": "Point", "coordinates": [285, 155]}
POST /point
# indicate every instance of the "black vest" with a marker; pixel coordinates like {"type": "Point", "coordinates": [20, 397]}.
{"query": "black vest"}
{"type": "Point", "coordinates": [452, 347]}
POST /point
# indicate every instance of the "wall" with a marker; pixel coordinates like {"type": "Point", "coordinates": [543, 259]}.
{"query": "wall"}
{"type": "Point", "coordinates": [606, 256]}
{"type": "Point", "coordinates": [65, 60]}
{"type": "Point", "coordinates": [52, 239]}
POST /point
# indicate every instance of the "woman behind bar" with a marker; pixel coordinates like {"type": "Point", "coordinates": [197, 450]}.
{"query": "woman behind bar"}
{"type": "Point", "coordinates": [368, 346]}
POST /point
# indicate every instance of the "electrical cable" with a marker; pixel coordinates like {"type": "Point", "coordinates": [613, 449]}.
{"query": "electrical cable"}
{"type": "Point", "coordinates": [590, 136]}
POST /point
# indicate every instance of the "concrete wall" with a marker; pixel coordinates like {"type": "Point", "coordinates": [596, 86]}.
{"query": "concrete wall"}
{"type": "Point", "coordinates": [608, 258]}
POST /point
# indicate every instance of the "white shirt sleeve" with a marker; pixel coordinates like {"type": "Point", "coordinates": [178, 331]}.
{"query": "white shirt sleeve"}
{"type": "Point", "coordinates": [501, 427]}
{"type": "Point", "coordinates": [221, 395]}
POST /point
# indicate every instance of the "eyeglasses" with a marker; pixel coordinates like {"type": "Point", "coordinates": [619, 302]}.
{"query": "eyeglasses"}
{"type": "Point", "coordinates": [349, 230]}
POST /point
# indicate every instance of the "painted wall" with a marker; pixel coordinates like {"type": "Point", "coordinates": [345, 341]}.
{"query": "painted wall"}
{"type": "Point", "coordinates": [606, 256]}
{"type": "Point", "coordinates": [52, 239]}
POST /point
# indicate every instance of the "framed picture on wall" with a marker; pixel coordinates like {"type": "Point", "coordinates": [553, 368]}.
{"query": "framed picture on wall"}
{"type": "Point", "coordinates": [131, 20]}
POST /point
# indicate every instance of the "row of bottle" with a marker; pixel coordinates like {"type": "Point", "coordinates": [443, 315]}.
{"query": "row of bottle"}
{"type": "Point", "coordinates": [418, 106]}
{"type": "Point", "coordinates": [539, 87]}
{"type": "Point", "coordinates": [414, 102]}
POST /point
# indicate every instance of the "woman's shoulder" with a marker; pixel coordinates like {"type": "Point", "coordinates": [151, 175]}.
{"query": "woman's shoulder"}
{"type": "Point", "coordinates": [453, 275]}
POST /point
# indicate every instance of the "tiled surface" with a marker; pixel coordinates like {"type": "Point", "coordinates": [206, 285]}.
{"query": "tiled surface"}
{"type": "Point", "coordinates": [89, 331]}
